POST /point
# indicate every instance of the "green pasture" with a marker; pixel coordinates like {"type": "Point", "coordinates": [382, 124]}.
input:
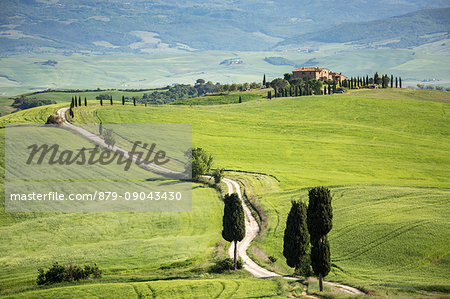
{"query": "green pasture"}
{"type": "Point", "coordinates": [219, 99]}
{"type": "Point", "coordinates": [384, 154]}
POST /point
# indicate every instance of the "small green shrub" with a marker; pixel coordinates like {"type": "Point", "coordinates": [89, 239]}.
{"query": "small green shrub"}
{"type": "Point", "coordinates": [58, 273]}
{"type": "Point", "coordinates": [272, 259]}
{"type": "Point", "coordinates": [226, 264]}
{"type": "Point", "coordinates": [217, 175]}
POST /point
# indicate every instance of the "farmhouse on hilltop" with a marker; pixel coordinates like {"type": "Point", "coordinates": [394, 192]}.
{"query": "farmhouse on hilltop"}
{"type": "Point", "coordinates": [308, 73]}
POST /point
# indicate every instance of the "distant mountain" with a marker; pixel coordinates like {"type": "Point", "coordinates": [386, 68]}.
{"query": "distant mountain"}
{"type": "Point", "coordinates": [412, 29]}
{"type": "Point", "coordinates": [136, 26]}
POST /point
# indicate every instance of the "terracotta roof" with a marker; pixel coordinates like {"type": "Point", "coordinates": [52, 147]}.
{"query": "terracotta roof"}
{"type": "Point", "coordinates": [309, 69]}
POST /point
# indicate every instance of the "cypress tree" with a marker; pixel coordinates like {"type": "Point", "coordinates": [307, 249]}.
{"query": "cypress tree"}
{"type": "Point", "coordinates": [79, 101]}
{"type": "Point", "coordinates": [329, 88]}
{"type": "Point", "coordinates": [264, 80]}
{"type": "Point", "coordinates": [76, 102]}
{"type": "Point", "coordinates": [392, 81]}
{"type": "Point", "coordinates": [85, 101]}
{"type": "Point", "coordinates": [376, 78]}
{"type": "Point", "coordinates": [233, 221]}
{"type": "Point", "coordinates": [101, 102]}
{"type": "Point", "coordinates": [320, 222]}
{"type": "Point", "coordinates": [296, 236]}
{"type": "Point", "coordinates": [72, 104]}
{"type": "Point", "coordinates": [123, 100]}
{"type": "Point", "coordinates": [320, 259]}
{"type": "Point", "coordinates": [367, 79]}
{"type": "Point", "coordinates": [134, 101]}
{"type": "Point", "coordinates": [240, 99]}
{"type": "Point", "coordinates": [334, 87]}
{"type": "Point", "coordinates": [400, 82]}
{"type": "Point", "coordinates": [324, 90]}
{"type": "Point", "coordinates": [110, 101]}
{"type": "Point", "coordinates": [396, 82]}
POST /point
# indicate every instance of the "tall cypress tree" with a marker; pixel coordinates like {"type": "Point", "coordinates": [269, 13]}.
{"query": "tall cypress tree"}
{"type": "Point", "coordinates": [79, 101]}
{"type": "Point", "coordinates": [376, 78]}
{"type": "Point", "coordinates": [123, 100]}
{"type": "Point", "coordinates": [110, 100]}
{"type": "Point", "coordinates": [367, 79]}
{"type": "Point", "coordinates": [85, 101]}
{"type": "Point", "coordinates": [76, 102]}
{"type": "Point", "coordinates": [233, 221]}
{"type": "Point", "coordinates": [400, 81]}
{"type": "Point", "coordinates": [72, 104]}
{"type": "Point", "coordinates": [240, 99]}
{"type": "Point", "coordinates": [264, 81]}
{"type": "Point", "coordinates": [134, 101]}
{"type": "Point", "coordinates": [392, 81]}
{"type": "Point", "coordinates": [296, 236]}
{"type": "Point", "coordinates": [320, 222]}
{"type": "Point", "coordinates": [329, 88]}
{"type": "Point", "coordinates": [101, 101]}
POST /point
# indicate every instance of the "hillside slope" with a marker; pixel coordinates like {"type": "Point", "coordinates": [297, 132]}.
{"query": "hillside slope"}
{"type": "Point", "coordinates": [412, 29]}
{"type": "Point", "coordinates": [65, 26]}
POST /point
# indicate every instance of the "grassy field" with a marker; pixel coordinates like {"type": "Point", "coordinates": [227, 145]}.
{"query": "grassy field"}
{"type": "Point", "coordinates": [306, 141]}
{"type": "Point", "coordinates": [384, 154]}
{"type": "Point", "coordinates": [21, 74]}
{"type": "Point", "coordinates": [232, 98]}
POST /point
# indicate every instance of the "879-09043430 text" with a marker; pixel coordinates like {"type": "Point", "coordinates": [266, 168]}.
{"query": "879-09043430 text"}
{"type": "Point", "coordinates": [98, 195]}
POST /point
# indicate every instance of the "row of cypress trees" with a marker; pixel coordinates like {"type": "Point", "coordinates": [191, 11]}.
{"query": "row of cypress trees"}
{"type": "Point", "coordinates": [76, 102]}
{"type": "Point", "coordinates": [292, 91]}
{"type": "Point", "coordinates": [384, 81]}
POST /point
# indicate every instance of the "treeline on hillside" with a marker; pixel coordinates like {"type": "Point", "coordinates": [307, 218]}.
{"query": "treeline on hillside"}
{"type": "Point", "coordinates": [183, 91]}
{"type": "Point", "coordinates": [290, 86]}
{"type": "Point", "coordinates": [23, 102]}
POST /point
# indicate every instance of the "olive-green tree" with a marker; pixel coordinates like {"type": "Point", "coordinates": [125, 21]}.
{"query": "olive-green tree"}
{"type": "Point", "coordinates": [320, 222]}
{"type": "Point", "coordinates": [233, 222]}
{"type": "Point", "coordinates": [296, 238]}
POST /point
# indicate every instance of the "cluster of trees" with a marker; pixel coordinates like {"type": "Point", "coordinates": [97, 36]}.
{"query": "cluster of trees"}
{"type": "Point", "coordinates": [237, 86]}
{"type": "Point", "coordinates": [23, 102]}
{"type": "Point", "coordinates": [174, 93]}
{"type": "Point", "coordinates": [306, 235]}
{"type": "Point", "coordinates": [432, 87]}
{"type": "Point", "coordinates": [290, 86]}
{"type": "Point", "coordinates": [59, 273]}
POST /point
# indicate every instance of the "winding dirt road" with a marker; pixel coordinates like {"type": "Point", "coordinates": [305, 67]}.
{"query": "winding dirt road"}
{"type": "Point", "coordinates": [251, 225]}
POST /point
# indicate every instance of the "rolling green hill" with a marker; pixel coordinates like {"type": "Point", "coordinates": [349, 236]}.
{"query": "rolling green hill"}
{"type": "Point", "coordinates": [384, 154]}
